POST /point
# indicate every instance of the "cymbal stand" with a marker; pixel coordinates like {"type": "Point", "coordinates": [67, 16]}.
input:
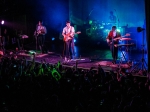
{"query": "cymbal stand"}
{"type": "Point", "coordinates": [142, 62]}
{"type": "Point", "coordinates": [36, 42]}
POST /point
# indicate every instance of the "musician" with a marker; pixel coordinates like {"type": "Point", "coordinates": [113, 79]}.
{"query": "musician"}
{"type": "Point", "coordinates": [112, 40]}
{"type": "Point", "coordinates": [68, 33]}
{"type": "Point", "coordinates": [41, 31]}
{"type": "Point", "coordinates": [19, 39]}
{"type": "Point", "coordinates": [112, 17]}
{"type": "Point", "coordinates": [5, 39]}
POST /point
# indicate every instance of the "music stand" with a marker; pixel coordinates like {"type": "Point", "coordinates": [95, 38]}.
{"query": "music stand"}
{"type": "Point", "coordinates": [142, 62]}
{"type": "Point", "coordinates": [36, 41]}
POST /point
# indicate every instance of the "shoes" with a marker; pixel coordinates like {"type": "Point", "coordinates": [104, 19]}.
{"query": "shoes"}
{"type": "Point", "coordinates": [66, 60]}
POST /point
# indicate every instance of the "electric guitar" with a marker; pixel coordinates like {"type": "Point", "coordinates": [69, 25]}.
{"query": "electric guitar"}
{"type": "Point", "coordinates": [69, 36]}
{"type": "Point", "coordinates": [40, 32]}
{"type": "Point", "coordinates": [109, 42]}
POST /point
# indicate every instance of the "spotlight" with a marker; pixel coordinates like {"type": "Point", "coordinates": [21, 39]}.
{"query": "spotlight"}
{"type": "Point", "coordinates": [53, 38]}
{"type": "Point", "coordinates": [139, 29]}
{"type": "Point", "coordinates": [118, 30]}
{"type": "Point", "coordinates": [2, 22]}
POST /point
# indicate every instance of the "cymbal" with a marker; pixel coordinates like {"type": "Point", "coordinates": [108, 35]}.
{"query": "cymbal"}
{"type": "Point", "coordinates": [125, 39]}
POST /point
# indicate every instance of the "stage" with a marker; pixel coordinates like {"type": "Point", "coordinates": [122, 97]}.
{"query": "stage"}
{"type": "Point", "coordinates": [83, 62]}
{"type": "Point", "coordinates": [86, 57]}
{"type": "Point", "coordinates": [86, 62]}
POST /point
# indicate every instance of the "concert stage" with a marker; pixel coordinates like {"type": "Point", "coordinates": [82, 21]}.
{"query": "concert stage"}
{"type": "Point", "coordinates": [82, 62]}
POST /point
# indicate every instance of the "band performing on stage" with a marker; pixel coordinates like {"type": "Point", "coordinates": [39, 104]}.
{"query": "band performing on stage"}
{"type": "Point", "coordinates": [113, 39]}
{"type": "Point", "coordinates": [68, 37]}
{"type": "Point", "coordinates": [40, 33]}
{"type": "Point", "coordinates": [68, 33]}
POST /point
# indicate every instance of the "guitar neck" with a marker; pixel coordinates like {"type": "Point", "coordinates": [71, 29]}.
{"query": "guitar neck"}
{"type": "Point", "coordinates": [69, 36]}
{"type": "Point", "coordinates": [119, 37]}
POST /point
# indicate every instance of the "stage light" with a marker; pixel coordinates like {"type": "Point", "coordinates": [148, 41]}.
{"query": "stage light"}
{"type": "Point", "coordinates": [118, 30]}
{"type": "Point", "coordinates": [53, 38]}
{"type": "Point", "coordinates": [2, 22]}
{"type": "Point", "coordinates": [101, 27]}
{"type": "Point", "coordinates": [74, 40]}
{"type": "Point", "coordinates": [139, 29]}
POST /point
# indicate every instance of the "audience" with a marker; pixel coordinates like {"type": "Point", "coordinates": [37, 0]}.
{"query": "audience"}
{"type": "Point", "coordinates": [28, 86]}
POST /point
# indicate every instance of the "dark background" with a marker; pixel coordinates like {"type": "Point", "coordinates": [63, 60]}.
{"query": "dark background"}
{"type": "Point", "coordinates": [25, 14]}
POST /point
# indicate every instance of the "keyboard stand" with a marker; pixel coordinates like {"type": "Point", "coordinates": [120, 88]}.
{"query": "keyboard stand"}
{"type": "Point", "coordinates": [122, 56]}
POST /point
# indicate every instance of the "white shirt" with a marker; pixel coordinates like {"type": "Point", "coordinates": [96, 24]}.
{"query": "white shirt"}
{"type": "Point", "coordinates": [67, 30]}
{"type": "Point", "coordinates": [70, 31]}
{"type": "Point", "coordinates": [114, 33]}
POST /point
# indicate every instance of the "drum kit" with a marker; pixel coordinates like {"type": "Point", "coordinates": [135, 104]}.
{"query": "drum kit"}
{"type": "Point", "coordinates": [100, 29]}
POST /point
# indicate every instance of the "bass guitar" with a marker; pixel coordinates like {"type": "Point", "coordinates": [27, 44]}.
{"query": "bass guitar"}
{"type": "Point", "coordinates": [70, 36]}
{"type": "Point", "coordinates": [40, 32]}
{"type": "Point", "coordinates": [109, 41]}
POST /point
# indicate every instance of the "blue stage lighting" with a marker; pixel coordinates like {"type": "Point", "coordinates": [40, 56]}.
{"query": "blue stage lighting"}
{"type": "Point", "coordinates": [118, 30]}
{"type": "Point", "coordinates": [53, 38]}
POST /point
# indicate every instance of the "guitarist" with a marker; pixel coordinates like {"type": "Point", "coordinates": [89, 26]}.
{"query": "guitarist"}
{"type": "Point", "coordinates": [68, 34]}
{"type": "Point", "coordinates": [40, 36]}
{"type": "Point", "coordinates": [112, 41]}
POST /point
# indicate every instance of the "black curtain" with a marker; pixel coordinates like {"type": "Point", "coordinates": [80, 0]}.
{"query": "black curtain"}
{"type": "Point", "coordinates": [147, 9]}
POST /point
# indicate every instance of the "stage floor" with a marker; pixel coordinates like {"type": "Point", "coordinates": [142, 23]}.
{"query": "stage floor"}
{"type": "Point", "coordinates": [88, 57]}
{"type": "Point", "coordinates": [82, 62]}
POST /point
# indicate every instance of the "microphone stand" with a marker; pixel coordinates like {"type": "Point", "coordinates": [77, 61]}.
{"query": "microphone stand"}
{"type": "Point", "coordinates": [36, 42]}
{"type": "Point", "coordinates": [142, 62]}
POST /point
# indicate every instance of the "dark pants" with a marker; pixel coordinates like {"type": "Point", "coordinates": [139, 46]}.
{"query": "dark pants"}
{"type": "Point", "coordinates": [72, 47]}
{"type": "Point", "coordinates": [6, 45]}
{"type": "Point", "coordinates": [114, 51]}
{"type": "Point", "coordinates": [40, 43]}
{"type": "Point", "coordinates": [20, 43]}
{"type": "Point", "coordinates": [3, 45]}
{"type": "Point", "coordinates": [69, 48]}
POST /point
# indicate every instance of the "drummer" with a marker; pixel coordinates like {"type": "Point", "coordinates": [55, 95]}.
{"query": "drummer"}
{"type": "Point", "coordinates": [112, 17]}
